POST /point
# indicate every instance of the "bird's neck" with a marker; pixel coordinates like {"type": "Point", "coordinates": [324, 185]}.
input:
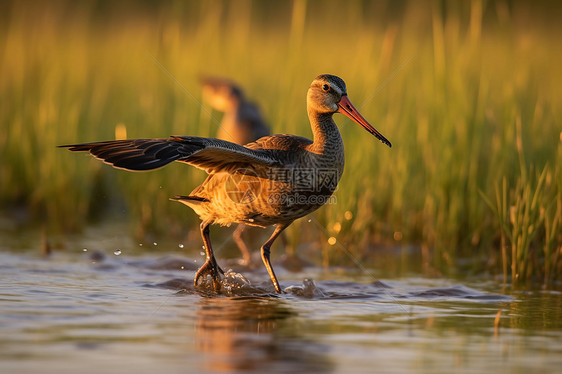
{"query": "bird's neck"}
{"type": "Point", "coordinates": [326, 135]}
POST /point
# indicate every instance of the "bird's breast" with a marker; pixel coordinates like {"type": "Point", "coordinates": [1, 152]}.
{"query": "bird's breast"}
{"type": "Point", "coordinates": [267, 196]}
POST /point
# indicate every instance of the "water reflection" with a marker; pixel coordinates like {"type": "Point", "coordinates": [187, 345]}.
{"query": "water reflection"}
{"type": "Point", "coordinates": [255, 335]}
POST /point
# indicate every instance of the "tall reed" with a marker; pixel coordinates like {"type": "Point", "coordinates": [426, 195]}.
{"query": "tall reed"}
{"type": "Point", "coordinates": [446, 82]}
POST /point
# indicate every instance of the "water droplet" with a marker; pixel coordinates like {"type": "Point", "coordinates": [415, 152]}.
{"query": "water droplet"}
{"type": "Point", "coordinates": [182, 267]}
{"type": "Point", "coordinates": [117, 252]}
{"type": "Point", "coordinates": [85, 250]}
{"type": "Point", "coordinates": [202, 253]}
{"type": "Point", "coordinates": [180, 245]}
{"type": "Point", "coordinates": [332, 240]}
{"type": "Point", "coordinates": [154, 243]}
{"type": "Point", "coordinates": [140, 244]}
{"type": "Point", "coordinates": [309, 221]}
{"type": "Point", "coordinates": [250, 220]}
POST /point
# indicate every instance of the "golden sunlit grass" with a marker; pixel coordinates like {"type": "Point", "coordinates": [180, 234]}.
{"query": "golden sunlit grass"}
{"type": "Point", "coordinates": [468, 93]}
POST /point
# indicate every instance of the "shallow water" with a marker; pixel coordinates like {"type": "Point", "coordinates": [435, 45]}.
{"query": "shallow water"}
{"type": "Point", "coordinates": [106, 311]}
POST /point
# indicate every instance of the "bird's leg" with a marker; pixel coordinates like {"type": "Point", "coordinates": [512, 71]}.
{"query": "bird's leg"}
{"type": "Point", "coordinates": [237, 236]}
{"type": "Point", "coordinates": [265, 255]}
{"type": "Point", "coordinates": [210, 267]}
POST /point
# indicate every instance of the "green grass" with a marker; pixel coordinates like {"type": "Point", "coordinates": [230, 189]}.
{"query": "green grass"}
{"type": "Point", "coordinates": [468, 93]}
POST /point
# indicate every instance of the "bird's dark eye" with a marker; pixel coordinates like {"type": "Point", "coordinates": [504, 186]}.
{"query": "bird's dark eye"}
{"type": "Point", "coordinates": [326, 87]}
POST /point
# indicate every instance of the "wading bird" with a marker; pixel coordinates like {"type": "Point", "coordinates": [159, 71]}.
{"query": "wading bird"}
{"type": "Point", "coordinates": [272, 181]}
{"type": "Point", "coordinates": [242, 123]}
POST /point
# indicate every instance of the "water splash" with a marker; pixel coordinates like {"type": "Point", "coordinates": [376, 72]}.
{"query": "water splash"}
{"type": "Point", "coordinates": [308, 290]}
{"type": "Point", "coordinates": [234, 282]}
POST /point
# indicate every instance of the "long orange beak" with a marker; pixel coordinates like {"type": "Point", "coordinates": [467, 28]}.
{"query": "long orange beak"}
{"type": "Point", "coordinates": [345, 107]}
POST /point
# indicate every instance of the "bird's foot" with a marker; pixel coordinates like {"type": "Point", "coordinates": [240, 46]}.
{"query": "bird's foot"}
{"type": "Point", "coordinates": [211, 268]}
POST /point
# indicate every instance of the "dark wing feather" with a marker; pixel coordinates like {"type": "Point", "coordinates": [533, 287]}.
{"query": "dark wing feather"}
{"type": "Point", "coordinates": [209, 154]}
{"type": "Point", "coordinates": [134, 154]}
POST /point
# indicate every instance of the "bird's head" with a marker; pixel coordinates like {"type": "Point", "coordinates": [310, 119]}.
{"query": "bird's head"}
{"type": "Point", "coordinates": [222, 94]}
{"type": "Point", "coordinates": [328, 94]}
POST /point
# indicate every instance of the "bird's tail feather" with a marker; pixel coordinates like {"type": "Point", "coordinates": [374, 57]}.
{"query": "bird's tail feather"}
{"type": "Point", "coordinates": [192, 199]}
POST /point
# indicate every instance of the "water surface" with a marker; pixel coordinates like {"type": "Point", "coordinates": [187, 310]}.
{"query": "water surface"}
{"type": "Point", "coordinates": [90, 311]}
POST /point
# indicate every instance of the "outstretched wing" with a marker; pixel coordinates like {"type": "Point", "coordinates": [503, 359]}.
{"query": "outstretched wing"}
{"type": "Point", "coordinates": [209, 154]}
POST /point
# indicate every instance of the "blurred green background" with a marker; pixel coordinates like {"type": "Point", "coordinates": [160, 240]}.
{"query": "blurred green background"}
{"type": "Point", "coordinates": [468, 92]}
